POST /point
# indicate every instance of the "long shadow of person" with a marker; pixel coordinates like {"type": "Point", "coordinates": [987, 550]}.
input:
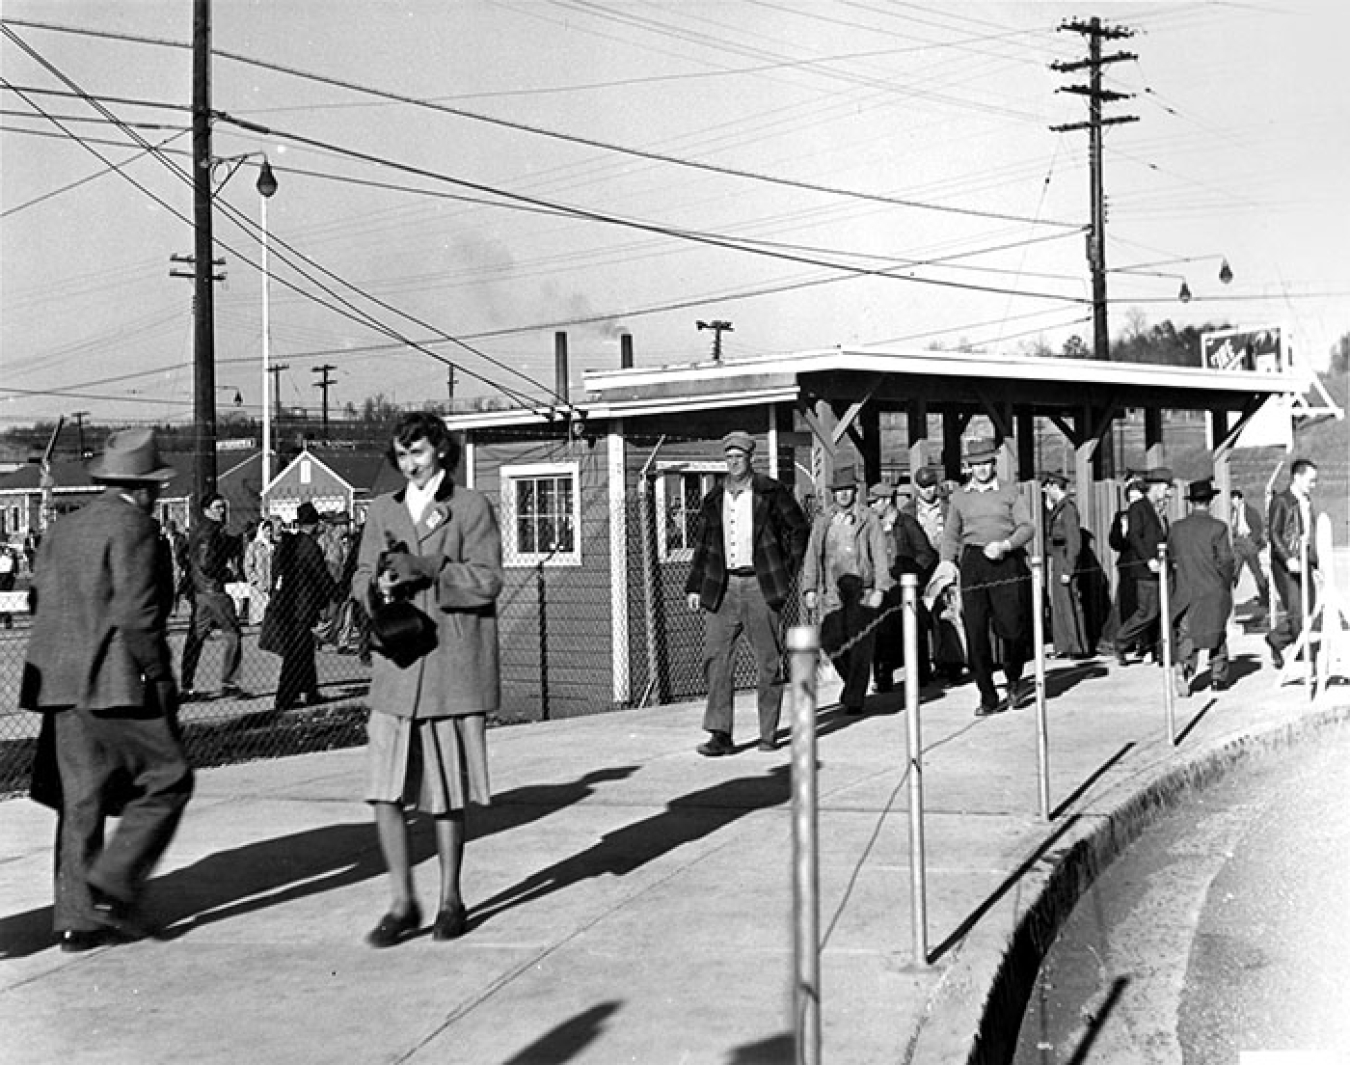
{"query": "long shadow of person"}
{"type": "Point", "coordinates": [685, 819]}
{"type": "Point", "coordinates": [230, 883]}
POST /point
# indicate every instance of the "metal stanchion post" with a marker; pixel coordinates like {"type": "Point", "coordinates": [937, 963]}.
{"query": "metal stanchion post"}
{"type": "Point", "coordinates": [1165, 635]}
{"type": "Point", "coordinates": [909, 597]}
{"type": "Point", "coordinates": [803, 643]}
{"type": "Point", "coordinates": [1038, 658]}
{"type": "Point", "coordinates": [1306, 586]}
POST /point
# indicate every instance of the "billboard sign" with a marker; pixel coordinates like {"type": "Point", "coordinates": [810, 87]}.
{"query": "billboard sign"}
{"type": "Point", "coordinates": [1258, 350]}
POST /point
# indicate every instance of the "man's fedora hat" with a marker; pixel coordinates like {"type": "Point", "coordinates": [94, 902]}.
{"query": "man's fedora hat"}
{"type": "Point", "coordinates": [131, 455]}
{"type": "Point", "coordinates": [980, 449]}
{"type": "Point", "coordinates": [1159, 475]}
{"type": "Point", "coordinates": [306, 514]}
{"type": "Point", "coordinates": [1055, 477]}
{"type": "Point", "coordinates": [1201, 491]}
{"type": "Point", "coordinates": [881, 490]}
{"type": "Point", "coordinates": [844, 477]}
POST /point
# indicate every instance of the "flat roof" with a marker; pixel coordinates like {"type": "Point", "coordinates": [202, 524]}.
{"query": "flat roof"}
{"type": "Point", "coordinates": [895, 378]}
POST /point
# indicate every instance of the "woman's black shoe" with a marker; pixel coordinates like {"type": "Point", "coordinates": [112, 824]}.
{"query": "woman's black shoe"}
{"type": "Point", "coordinates": [394, 929]}
{"type": "Point", "coordinates": [451, 923]}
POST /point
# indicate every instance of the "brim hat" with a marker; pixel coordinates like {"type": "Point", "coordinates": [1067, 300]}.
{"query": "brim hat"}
{"type": "Point", "coordinates": [131, 455]}
{"type": "Point", "coordinates": [980, 449]}
{"type": "Point", "coordinates": [305, 514]}
{"type": "Point", "coordinates": [928, 477]}
{"type": "Point", "coordinates": [739, 441]}
{"type": "Point", "coordinates": [880, 490]}
{"type": "Point", "coordinates": [1201, 491]}
{"type": "Point", "coordinates": [1055, 478]}
{"type": "Point", "coordinates": [1159, 475]}
{"type": "Point", "coordinates": [844, 477]}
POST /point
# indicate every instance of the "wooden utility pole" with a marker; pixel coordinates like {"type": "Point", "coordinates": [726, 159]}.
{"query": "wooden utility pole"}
{"type": "Point", "coordinates": [324, 384]}
{"type": "Point", "coordinates": [204, 342]}
{"type": "Point", "coordinates": [275, 369]}
{"type": "Point", "coordinates": [1095, 32]}
{"type": "Point", "coordinates": [718, 328]}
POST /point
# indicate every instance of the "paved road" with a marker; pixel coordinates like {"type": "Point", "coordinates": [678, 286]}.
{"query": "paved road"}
{"type": "Point", "coordinates": [1224, 930]}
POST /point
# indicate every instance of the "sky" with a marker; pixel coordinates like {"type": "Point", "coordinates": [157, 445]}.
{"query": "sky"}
{"type": "Point", "coordinates": [473, 177]}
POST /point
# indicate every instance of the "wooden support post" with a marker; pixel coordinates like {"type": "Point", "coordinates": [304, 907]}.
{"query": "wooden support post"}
{"type": "Point", "coordinates": [1026, 446]}
{"type": "Point", "coordinates": [916, 433]}
{"type": "Point", "coordinates": [951, 444]}
{"type": "Point", "coordinates": [1154, 454]}
{"type": "Point", "coordinates": [869, 422]}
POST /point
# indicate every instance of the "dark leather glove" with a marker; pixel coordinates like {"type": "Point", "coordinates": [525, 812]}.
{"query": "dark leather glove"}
{"type": "Point", "coordinates": [410, 569]}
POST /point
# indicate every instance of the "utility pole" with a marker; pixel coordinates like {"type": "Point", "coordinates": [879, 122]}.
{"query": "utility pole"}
{"type": "Point", "coordinates": [80, 416]}
{"type": "Point", "coordinates": [204, 309]}
{"type": "Point", "coordinates": [324, 384]}
{"type": "Point", "coordinates": [1095, 32]}
{"type": "Point", "coordinates": [450, 381]}
{"type": "Point", "coordinates": [718, 328]}
{"type": "Point", "coordinates": [275, 369]}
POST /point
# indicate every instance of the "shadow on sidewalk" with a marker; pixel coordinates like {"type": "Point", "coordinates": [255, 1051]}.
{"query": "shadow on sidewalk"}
{"type": "Point", "coordinates": [241, 880]}
{"type": "Point", "coordinates": [685, 819]}
{"type": "Point", "coordinates": [567, 1040]}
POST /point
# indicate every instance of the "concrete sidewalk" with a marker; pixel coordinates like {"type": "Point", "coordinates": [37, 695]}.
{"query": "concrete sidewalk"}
{"type": "Point", "coordinates": [630, 900]}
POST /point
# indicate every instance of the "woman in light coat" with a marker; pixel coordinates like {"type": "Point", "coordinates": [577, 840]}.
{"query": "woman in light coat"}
{"type": "Point", "coordinates": [437, 546]}
{"type": "Point", "coordinates": [258, 569]}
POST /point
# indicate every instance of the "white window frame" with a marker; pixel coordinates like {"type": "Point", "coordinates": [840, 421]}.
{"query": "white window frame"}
{"type": "Point", "coordinates": [513, 557]}
{"type": "Point", "coordinates": [664, 551]}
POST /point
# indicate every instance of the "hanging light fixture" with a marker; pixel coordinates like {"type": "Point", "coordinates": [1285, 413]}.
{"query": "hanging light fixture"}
{"type": "Point", "coordinates": [267, 181]}
{"type": "Point", "coordinates": [1185, 294]}
{"type": "Point", "coordinates": [1225, 272]}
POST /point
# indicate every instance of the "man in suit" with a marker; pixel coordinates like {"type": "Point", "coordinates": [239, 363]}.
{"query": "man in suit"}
{"type": "Point", "coordinates": [98, 665]}
{"type": "Point", "coordinates": [1063, 546]}
{"type": "Point", "coordinates": [751, 540]}
{"type": "Point", "coordinates": [1249, 536]}
{"type": "Point", "coordinates": [1203, 566]}
{"type": "Point", "coordinates": [1147, 520]}
{"type": "Point", "coordinates": [1290, 526]}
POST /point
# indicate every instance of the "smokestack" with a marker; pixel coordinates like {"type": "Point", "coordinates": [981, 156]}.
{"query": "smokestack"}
{"type": "Point", "coordinates": [560, 365]}
{"type": "Point", "coordinates": [625, 351]}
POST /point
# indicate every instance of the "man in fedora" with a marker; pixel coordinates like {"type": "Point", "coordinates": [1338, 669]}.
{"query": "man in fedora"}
{"type": "Point", "coordinates": [751, 536]}
{"type": "Point", "coordinates": [1203, 567]}
{"type": "Point", "coordinates": [847, 541]}
{"type": "Point", "coordinates": [1146, 531]}
{"type": "Point", "coordinates": [1063, 546]}
{"type": "Point", "coordinates": [98, 666]}
{"type": "Point", "coordinates": [987, 529]}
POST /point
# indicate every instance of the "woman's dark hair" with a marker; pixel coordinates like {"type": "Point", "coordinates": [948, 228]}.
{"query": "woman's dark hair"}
{"type": "Point", "coordinates": [429, 427]}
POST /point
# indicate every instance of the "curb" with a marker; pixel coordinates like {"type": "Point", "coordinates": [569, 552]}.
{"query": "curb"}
{"type": "Point", "coordinates": [974, 1013]}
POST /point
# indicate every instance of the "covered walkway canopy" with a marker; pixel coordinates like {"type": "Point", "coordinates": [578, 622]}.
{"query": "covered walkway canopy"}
{"type": "Point", "coordinates": [842, 392]}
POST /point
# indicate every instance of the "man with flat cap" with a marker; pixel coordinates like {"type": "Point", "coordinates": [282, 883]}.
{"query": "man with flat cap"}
{"type": "Point", "coordinates": [847, 541]}
{"type": "Point", "coordinates": [98, 667]}
{"type": "Point", "coordinates": [1203, 565]}
{"type": "Point", "coordinates": [1147, 530]}
{"type": "Point", "coordinates": [1063, 546]}
{"type": "Point", "coordinates": [988, 527]}
{"type": "Point", "coordinates": [750, 539]}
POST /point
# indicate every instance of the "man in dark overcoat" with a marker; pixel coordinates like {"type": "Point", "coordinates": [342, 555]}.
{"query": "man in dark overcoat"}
{"type": "Point", "coordinates": [1201, 551]}
{"type": "Point", "coordinates": [1292, 546]}
{"type": "Point", "coordinates": [1063, 546]}
{"type": "Point", "coordinates": [1147, 519]}
{"type": "Point", "coordinates": [98, 666]}
{"type": "Point", "coordinates": [750, 541]}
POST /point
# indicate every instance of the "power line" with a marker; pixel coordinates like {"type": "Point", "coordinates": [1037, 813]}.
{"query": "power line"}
{"type": "Point", "coordinates": [568, 138]}
{"type": "Point", "coordinates": [358, 315]}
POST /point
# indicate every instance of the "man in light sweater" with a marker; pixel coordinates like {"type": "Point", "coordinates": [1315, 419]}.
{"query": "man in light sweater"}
{"type": "Point", "coordinates": [988, 526]}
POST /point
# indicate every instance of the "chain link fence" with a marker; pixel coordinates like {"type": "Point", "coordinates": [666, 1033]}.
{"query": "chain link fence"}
{"type": "Point", "coordinates": [599, 625]}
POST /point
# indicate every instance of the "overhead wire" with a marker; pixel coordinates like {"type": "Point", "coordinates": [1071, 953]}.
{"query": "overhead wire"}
{"type": "Point", "coordinates": [360, 316]}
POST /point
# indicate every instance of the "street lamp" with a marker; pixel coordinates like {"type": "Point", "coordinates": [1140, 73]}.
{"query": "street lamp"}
{"type": "Point", "coordinates": [267, 187]}
{"type": "Point", "coordinates": [1184, 292]}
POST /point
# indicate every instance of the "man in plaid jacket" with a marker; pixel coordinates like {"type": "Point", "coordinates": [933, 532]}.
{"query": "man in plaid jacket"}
{"type": "Point", "coordinates": [751, 539]}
